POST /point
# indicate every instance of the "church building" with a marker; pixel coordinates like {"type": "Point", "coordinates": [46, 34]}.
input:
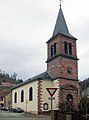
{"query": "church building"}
{"type": "Point", "coordinates": [62, 74]}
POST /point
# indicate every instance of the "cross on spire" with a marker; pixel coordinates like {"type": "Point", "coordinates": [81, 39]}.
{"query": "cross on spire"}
{"type": "Point", "coordinates": [60, 2]}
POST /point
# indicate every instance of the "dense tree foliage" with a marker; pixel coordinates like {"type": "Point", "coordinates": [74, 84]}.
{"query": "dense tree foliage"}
{"type": "Point", "coordinates": [84, 84]}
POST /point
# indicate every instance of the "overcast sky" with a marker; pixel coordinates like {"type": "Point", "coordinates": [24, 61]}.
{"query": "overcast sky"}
{"type": "Point", "coordinates": [26, 25]}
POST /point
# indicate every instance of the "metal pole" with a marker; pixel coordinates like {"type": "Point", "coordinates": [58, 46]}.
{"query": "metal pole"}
{"type": "Point", "coordinates": [51, 105]}
{"type": "Point", "coordinates": [52, 115]}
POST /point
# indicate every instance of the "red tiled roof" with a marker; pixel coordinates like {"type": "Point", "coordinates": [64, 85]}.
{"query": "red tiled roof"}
{"type": "Point", "coordinates": [4, 92]}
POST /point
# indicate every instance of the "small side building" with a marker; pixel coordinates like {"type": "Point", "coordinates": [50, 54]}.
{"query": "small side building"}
{"type": "Point", "coordinates": [6, 83]}
{"type": "Point", "coordinates": [5, 98]}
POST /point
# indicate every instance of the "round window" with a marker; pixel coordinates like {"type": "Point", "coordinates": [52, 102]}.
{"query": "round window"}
{"type": "Point", "coordinates": [69, 98]}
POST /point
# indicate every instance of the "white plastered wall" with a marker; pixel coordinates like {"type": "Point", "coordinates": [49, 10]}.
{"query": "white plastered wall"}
{"type": "Point", "coordinates": [28, 106]}
{"type": "Point", "coordinates": [45, 95]}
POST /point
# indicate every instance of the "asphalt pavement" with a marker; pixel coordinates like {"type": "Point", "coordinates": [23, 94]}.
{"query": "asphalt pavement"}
{"type": "Point", "coordinates": [6, 115]}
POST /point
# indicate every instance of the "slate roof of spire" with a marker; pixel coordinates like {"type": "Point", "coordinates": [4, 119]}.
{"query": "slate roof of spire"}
{"type": "Point", "coordinates": [61, 26]}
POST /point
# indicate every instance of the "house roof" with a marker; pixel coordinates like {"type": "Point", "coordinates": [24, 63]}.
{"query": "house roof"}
{"type": "Point", "coordinates": [5, 92]}
{"type": "Point", "coordinates": [43, 76]}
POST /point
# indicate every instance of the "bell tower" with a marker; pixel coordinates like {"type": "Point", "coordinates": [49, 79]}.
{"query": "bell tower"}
{"type": "Point", "coordinates": [62, 61]}
{"type": "Point", "coordinates": [61, 49]}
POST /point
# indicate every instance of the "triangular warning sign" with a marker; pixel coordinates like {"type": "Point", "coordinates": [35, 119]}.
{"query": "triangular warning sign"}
{"type": "Point", "coordinates": [51, 91]}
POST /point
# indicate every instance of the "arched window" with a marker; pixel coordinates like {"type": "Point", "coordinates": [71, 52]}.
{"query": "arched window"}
{"type": "Point", "coordinates": [30, 94]}
{"type": "Point", "coordinates": [22, 96]}
{"type": "Point", "coordinates": [51, 50]}
{"type": "Point", "coordinates": [54, 48]}
{"type": "Point", "coordinates": [70, 48]}
{"type": "Point", "coordinates": [65, 48]}
{"type": "Point", "coordinates": [45, 106]}
{"type": "Point", "coordinates": [15, 97]}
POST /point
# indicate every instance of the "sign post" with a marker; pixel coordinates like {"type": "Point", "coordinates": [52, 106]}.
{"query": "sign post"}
{"type": "Point", "coordinates": [51, 92]}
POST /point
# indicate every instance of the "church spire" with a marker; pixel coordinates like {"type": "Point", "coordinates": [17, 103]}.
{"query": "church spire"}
{"type": "Point", "coordinates": [61, 26]}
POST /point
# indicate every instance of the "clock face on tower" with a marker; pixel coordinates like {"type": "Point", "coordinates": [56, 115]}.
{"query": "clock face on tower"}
{"type": "Point", "coordinates": [69, 70]}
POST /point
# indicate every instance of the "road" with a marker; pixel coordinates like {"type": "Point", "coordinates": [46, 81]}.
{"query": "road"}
{"type": "Point", "coordinates": [5, 115]}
